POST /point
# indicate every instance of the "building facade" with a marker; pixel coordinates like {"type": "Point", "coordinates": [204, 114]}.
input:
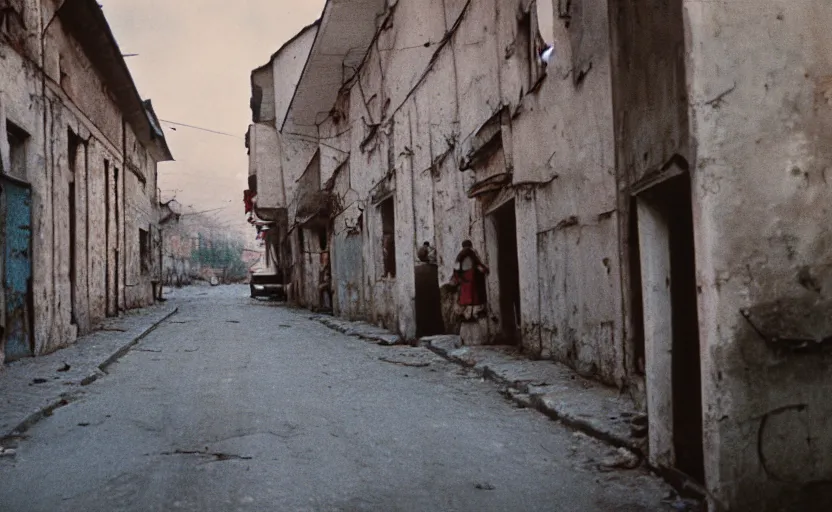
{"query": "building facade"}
{"type": "Point", "coordinates": [649, 204]}
{"type": "Point", "coordinates": [80, 150]}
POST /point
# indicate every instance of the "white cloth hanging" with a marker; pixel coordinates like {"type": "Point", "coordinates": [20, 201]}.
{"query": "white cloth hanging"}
{"type": "Point", "coordinates": [548, 54]}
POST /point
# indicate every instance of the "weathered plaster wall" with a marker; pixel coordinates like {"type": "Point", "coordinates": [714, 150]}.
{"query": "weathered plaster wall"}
{"type": "Point", "coordinates": [75, 100]}
{"type": "Point", "coordinates": [428, 86]}
{"type": "Point", "coordinates": [652, 136]}
{"type": "Point", "coordinates": [347, 249]}
{"type": "Point", "coordinates": [287, 67]}
{"type": "Point", "coordinates": [19, 76]}
{"type": "Point", "coordinates": [761, 118]}
{"type": "Point", "coordinates": [67, 66]}
{"type": "Point", "coordinates": [265, 153]}
{"type": "Point", "coordinates": [564, 161]}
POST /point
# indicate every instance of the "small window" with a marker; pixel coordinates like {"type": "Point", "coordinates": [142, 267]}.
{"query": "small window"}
{"type": "Point", "coordinates": [17, 151]}
{"type": "Point", "coordinates": [144, 250]}
{"type": "Point", "coordinates": [387, 209]}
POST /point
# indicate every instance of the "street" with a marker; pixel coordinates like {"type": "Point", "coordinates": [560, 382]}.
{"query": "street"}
{"type": "Point", "coordinates": [234, 404]}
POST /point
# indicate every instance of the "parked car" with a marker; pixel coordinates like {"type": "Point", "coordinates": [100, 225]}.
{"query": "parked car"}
{"type": "Point", "coordinates": [267, 284]}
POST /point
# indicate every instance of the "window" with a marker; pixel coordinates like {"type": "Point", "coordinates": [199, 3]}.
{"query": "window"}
{"type": "Point", "coordinates": [144, 250]}
{"type": "Point", "coordinates": [17, 151]}
{"type": "Point", "coordinates": [387, 210]}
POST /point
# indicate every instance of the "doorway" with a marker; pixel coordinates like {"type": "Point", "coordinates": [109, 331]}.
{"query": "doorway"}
{"type": "Point", "coordinates": [508, 271]}
{"type": "Point", "coordinates": [16, 215]}
{"type": "Point", "coordinates": [671, 325]}
{"type": "Point", "coordinates": [73, 257]}
{"type": "Point", "coordinates": [429, 321]}
{"type": "Point", "coordinates": [74, 143]}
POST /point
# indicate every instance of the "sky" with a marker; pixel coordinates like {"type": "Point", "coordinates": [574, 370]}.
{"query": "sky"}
{"type": "Point", "coordinates": [194, 62]}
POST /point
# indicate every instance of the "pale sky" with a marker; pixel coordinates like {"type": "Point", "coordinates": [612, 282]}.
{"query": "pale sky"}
{"type": "Point", "coordinates": [195, 59]}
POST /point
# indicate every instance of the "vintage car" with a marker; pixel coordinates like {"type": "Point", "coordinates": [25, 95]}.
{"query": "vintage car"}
{"type": "Point", "coordinates": [268, 284]}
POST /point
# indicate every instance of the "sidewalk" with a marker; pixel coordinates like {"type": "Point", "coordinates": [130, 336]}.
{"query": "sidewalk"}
{"type": "Point", "coordinates": [550, 387]}
{"type": "Point", "coordinates": [34, 387]}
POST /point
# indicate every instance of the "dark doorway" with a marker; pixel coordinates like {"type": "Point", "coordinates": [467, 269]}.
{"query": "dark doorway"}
{"type": "Point", "coordinates": [117, 244]}
{"type": "Point", "coordinates": [73, 256]}
{"type": "Point", "coordinates": [636, 299]}
{"type": "Point", "coordinates": [687, 379]}
{"type": "Point", "coordinates": [508, 271]}
{"type": "Point", "coordinates": [670, 246]}
{"type": "Point", "coordinates": [108, 223]}
{"type": "Point", "coordinates": [73, 145]}
{"type": "Point", "coordinates": [428, 301]}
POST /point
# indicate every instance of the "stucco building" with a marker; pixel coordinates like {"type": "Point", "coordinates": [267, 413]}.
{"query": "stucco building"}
{"type": "Point", "coordinates": [650, 204]}
{"type": "Point", "coordinates": [80, 149]}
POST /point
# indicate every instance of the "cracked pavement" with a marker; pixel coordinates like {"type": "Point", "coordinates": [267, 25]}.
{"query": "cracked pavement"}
{"type": "Point", "coordinates": [241, 405]}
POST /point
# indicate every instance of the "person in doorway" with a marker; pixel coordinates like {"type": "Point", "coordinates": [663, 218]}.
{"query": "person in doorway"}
{"type": "Point", "coordinates": [426, 254]}
{"type": "Point", "coordinates": [469, 275]}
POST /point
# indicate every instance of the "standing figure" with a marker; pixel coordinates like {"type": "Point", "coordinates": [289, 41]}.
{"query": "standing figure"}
{"type": "Point", "coordinates": [469, 275]}
{"type": "Point", "coordinates": [426, 254]}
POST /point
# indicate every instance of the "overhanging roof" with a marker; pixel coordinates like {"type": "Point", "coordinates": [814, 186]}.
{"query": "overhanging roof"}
{"type": "Point", "coordinates": [347, 27]}
{"type": "Point", "coordinates": [88, 25]}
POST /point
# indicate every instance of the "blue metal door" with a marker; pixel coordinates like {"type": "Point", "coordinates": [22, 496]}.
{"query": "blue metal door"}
{"type": "Point", "coordinates": [17, 228]}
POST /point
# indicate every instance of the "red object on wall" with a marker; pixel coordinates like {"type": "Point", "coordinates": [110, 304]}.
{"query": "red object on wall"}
{"type": "Point", "coordinates": [248, 199]}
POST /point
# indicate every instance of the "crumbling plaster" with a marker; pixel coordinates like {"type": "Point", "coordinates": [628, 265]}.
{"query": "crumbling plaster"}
{"type": "Point", "coordinates": [68, 95]}
{"type": "Point", "coordinates": [761, 119]}
{"type": "Point", "coordinates": [424, 90]}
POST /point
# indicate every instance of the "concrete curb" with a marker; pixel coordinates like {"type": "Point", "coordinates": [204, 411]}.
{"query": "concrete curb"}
{"type": "Point", "coordinates": [118, 354]}
{"type": "Point", "coordinates": [66, 398]}
{"type": "Point", "coordinates": [522, 394]}
{"type": "Point", "coordinates": [519, 392]}
{"type": "Point", "coordinates": [369, 332]}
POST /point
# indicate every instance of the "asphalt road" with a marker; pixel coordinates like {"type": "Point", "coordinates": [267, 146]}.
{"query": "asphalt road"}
{"type": "Point", "coordinates": [240, 405]}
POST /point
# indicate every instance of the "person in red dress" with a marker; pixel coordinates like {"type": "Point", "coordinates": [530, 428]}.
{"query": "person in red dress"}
{"type": "Point", "coordinates": [469, 275]}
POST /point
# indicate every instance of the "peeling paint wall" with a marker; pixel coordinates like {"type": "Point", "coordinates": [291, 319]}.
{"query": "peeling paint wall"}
{"type": "Point", "coordinates": [565, 171]}
{"type": "Point", "coordinates": [420, 106]}
{"type": "Point", "coordinates": [69, 104]}
{"type": "Point", "coordinates": [761, 117]}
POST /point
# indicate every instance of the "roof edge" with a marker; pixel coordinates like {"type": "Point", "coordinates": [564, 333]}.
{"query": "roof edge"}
{"type": "Point", "coordinates": [275, 55]}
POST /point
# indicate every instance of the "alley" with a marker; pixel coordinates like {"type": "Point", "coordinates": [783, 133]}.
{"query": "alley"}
{"type": "Point", "coordinates": [234, 405]}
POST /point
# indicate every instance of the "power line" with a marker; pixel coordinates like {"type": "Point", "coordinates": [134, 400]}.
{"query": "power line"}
{"type": "Point", "coordinates": [201, 129]}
